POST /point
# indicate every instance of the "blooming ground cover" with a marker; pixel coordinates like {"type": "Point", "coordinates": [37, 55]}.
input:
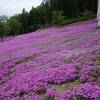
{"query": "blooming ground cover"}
{"type": "Point", "coordinates": [57, 63]}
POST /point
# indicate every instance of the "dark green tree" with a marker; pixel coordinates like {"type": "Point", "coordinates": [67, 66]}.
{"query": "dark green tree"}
{"type": "Point", "coordinates": [23, 18]}
{"type": "Point", "coordinates": [14, 27]}
{"type": "Point", "coordinates": [1, 31]}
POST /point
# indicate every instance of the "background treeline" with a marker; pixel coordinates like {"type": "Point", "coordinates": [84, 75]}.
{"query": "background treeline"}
{"type": "Point", "coordinates": [50, 12]}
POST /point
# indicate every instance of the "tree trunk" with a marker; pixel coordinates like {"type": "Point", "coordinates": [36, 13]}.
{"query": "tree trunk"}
{"type": "Point", "coordinates": [98, 13]}
{"type": "Point", "coordinates": [1, 38]}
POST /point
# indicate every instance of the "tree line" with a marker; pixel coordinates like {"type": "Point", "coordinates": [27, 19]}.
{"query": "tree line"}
{"type": "Point", "coordinates": [50, 12]}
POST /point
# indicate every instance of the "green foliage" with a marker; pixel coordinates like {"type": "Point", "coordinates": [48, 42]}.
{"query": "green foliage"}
{"type": "Point", "coordinates": [34, 27]}
{"type": "Point", "coordinates": [1, 31]}
{"type": "Point", "coordinates": [58, 18]}
{"type": "Point", "coordinates": [14, 26]}
{"type": "Point", "coordinates": [23, 19]}
{"type": "Point", "coordinates": [50, 12]}
{"type": "Point", "coordinates": [3, 20]}
{"type": "Point", "coordinates": [97, 73]}
{"type": "Point", "coordinates": [73, 8]}
{"type": "Point", "coordinates": [87, 14]}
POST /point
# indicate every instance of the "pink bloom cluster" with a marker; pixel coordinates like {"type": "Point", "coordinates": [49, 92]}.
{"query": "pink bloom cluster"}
{"type": "Point", "coordinates": [50, 92]}
{"type": "Point", "coordinates": [89, 73]}
{"type": "Point", "coordinates": [64, 73]}
{"type": "Point", "coordinates": [85, 91]}
{"type": "Point", "coordinates": [30, 63]}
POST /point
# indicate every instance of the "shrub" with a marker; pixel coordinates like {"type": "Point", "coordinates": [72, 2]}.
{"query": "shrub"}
{"type": "Point", "coordinates": [58, 18]}
{"type": "Point", "coordinates": [87, 14]}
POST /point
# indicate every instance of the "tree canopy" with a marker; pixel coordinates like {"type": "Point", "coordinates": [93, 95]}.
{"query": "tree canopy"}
{"type": "Point", "coordinates": [50, 12]}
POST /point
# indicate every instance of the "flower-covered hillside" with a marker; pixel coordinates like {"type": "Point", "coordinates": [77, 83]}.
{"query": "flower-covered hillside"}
{"type": "Point", "coordinates": [57, 63]}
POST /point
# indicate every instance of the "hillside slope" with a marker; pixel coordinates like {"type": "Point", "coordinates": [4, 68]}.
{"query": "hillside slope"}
{"type": "Point", "coordinates": [52, 63]}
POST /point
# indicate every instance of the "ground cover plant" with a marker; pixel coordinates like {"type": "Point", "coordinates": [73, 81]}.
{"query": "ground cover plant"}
{"type": "Point", "coordinates": [56, 63]}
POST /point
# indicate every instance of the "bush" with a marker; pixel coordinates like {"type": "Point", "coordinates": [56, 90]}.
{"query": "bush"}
{"type": "Point", "coordinates": [35, 27]}
{"type": "Point", "coordinates": [58, 18]}
{"type": "Point", "coordinates": [87, 14]}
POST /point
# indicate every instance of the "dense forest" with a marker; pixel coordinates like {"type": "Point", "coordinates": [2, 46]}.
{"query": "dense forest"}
{"type": "Point", "coordinates": [50, 12]}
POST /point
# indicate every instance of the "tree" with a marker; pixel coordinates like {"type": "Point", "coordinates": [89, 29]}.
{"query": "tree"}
{"type": "Point", "coordinates": [1, 31]}
{"type": "Point", "coordinates": [58, 18]}
{"type": "Point", "coordinates": [23, 18]}
{"type": "Point", "coordinates": [38, 17]}
{"type": "Point", "coordinates": [98, 13]}
{"type": "Point", "coordinates": [50, 11]}
{"type": "Point", "coordinates": [6, 28]}
{"type": "Point", "coordinates": [3, 20]}
{"type": "Point", "coordinates": [14, 26]}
